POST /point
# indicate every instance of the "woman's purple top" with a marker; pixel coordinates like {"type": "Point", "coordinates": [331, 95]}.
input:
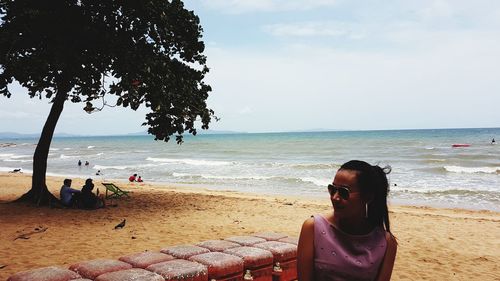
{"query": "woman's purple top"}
{"type": "Point", "coordinates": [342, 256]}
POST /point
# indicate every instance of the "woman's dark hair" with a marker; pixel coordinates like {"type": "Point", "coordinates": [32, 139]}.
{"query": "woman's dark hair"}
{"type": "Point", "coordinates": [372, 180]}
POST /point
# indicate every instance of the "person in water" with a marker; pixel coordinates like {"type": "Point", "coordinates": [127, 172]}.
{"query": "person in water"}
{"type": "Point", "coordinates": [354, 242]}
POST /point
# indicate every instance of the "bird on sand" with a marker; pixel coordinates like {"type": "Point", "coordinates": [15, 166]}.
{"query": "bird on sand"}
{"type": "Point", "coordinates": [120, 225]}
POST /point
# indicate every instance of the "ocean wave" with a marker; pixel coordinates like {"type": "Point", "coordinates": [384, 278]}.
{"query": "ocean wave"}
{"type": "Point", "coordinates": [90, 146]}
{"type": "Point", "coordinates": [454, 192]}
{"type": "Point", "coordinates": [316, 181]}
{"type": "Point", "coordinates": [21, 156]}
{"type": "Point", "coordinates": [193, 162]}
{"type": "Point", "coordinates": [206, 176]}
{"type": "Point", "coordinates": [18, 160]}
{"type": "Point", "coordinates": [472, 170]}
{"type": "Point", "coordinates": [315, 166]}
{"type": "Point", "coordinates": [6, 155]}
{"type": "Point", "coordinates": [62, 156]}
{"type": "Point", "coordinates": [124, 167]}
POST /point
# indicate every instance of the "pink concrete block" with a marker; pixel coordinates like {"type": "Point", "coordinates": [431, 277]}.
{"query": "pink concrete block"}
{"type": "Point", "coordinates": [218, 245]}
{"type": "Point", "coordinates": [93, 268]}
{"type": "Point", "coordinates": [220, 265]}
{"type": "Point", "coordinates": [145, 259]}
{"type": "Point", "coordinates": [180, 270]}
{"type": "Point", "coordinates": [184, 251]}
{"type": "Point", "coordinates": [291, 240]}
{"type": "Point", "coordinates": [133, 274]}
{"type": "Point", "coordinates": [252, 257]}
{"type": "Point", "coordinates": [270, 236]}
{"type": "Point", "coordinates": [245, 240]}
{"type": "Point", "coordinates": [281, 251]}
{"type": "Point", "coordinates": [50, 273]}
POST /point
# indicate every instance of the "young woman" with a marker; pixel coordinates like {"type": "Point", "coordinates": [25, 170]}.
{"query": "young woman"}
{"type": "Point", "coordinates": [354, 242]}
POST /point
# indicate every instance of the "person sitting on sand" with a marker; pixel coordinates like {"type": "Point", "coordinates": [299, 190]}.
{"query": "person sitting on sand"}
{"type": "Point", "coordinates": [354, 242]}
{"type": "Point", "coordinates": [88, 199]}
{"type": "Point", "coordinates": [139, 179]}
{"type": "Point", "coordinates": [132, 178]}
{"type": "Point", "coordinates": [67, 194]}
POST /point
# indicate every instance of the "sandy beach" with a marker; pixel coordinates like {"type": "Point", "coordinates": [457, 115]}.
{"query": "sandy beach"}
{"type": "Point", "coordinates": [434, 244]}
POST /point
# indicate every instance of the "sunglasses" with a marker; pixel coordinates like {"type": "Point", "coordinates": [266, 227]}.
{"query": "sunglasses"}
{"type": "Point", "coordinates": [343, 191]}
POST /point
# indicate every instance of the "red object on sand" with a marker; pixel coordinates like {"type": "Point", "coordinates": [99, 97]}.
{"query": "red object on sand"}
{"type": "Point", "coordinates": [221, 267]}
{"type": "Point", "coordinates": [284, 257]}
{"type": "Point", "coordinates": [145, 259]}
{"type": "Point", "coordinates": [93, 268]}
{"type": "Point", "coordinates": [45, 273]}
{"type": "Point", "coordinates": [258, 263]}
{"type": "Point", "coordinates": [180, 270]}
{"type": "Point", "coordinates": [129, 275]}
{"type": "Point", "coordinates": [460, 145]}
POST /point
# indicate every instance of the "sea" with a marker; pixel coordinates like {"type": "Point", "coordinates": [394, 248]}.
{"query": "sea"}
{"type": "Point", "coordinates": [426, 169]}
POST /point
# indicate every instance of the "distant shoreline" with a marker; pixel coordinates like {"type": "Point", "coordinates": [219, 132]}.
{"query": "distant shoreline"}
{"type": "Point", "coordinates": [12, 135]}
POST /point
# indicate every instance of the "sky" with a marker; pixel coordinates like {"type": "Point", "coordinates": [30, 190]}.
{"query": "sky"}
{"type": "Point", "coordinates": [294, 65]}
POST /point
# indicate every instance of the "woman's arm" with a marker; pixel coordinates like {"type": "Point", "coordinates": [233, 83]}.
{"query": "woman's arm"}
{"type": "Point", "coordinates": [305, 251]}
{"type": "Point", "coordinates": [389, 258]}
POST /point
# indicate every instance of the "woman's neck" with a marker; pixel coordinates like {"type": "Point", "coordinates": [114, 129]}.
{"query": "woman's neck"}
{"type": "Point", "coordinates": [355, 226]}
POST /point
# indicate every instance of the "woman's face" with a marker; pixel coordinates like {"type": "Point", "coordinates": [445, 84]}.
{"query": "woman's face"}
{"type": "Point", "coordinates": [354, 205]}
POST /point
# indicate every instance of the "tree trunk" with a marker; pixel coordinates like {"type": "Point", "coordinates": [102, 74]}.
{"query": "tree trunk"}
{"type": "Point", "coordinates": [39, 194]}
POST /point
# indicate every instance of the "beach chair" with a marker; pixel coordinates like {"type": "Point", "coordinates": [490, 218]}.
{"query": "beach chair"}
{"type": "Point", "coordinates": [114, 191]}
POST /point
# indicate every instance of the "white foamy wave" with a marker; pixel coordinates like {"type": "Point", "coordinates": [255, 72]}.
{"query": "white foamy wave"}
{"type": "Point", "coordinates": [217, 177]}
{"type": "Point", "coordinates": [7, 169]}
{"type": "Point", "coordinates": [6, 155]}
{"type": "Point", "coordinates": [20, 156]}
{"type": "Point", "coordinates": [131, 167]}
{"type": "Point", "coordinates": [315, 166]}
{"type": "Point", "coordinates": [53, 149]}
{"type": "Point", "coordinates": [472, 170]}
{"type": "Point", "coordinates": [18, 160]}
{"type": "Point", "coordinates": [318, 182]}
{"type": "Point", "coordinates": [68, 156]}
{"type": "Point", "coordinates": [66, 148]}
{"type": "Point", "coordinates": [90, 146]}
{"type": "Point", "coordinates": [99, 154]}
{"type": "Point", "coordinates": [193, 162]}
{"type": "Point", "coordinates": [101, 167]}
{"type": "Point", "coordinates": [430, 148]}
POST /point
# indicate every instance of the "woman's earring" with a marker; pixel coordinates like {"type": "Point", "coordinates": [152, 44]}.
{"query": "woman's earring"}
{"type": "Point", "coordinates": [366, 210]}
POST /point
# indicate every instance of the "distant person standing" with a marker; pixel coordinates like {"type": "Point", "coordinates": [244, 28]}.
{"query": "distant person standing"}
{"type": "Point", "coordinates": [67, 194]}
{"type": "Point", "coordinates": [493, 141]}
{"type": "Point", "coordinates": [98, 173]}
{"type": "Point", "coordinates": [87, 163]}
{"type": "Point", "coordinates": [79, 163]}
{"type": "Point", "coordinates": [132, 178]}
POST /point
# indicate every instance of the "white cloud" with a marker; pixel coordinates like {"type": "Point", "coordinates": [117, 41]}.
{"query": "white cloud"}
{"type": "Point", "coordinates": [450, 80]}
{"type": "Point", "coordinates": [246, 6]}
{"type": "Point", "coordinates": [308, 29]}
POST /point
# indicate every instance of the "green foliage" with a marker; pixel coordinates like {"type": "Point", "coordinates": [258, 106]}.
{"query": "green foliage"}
{"type": "Point", "coordinates": [142, 51]}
